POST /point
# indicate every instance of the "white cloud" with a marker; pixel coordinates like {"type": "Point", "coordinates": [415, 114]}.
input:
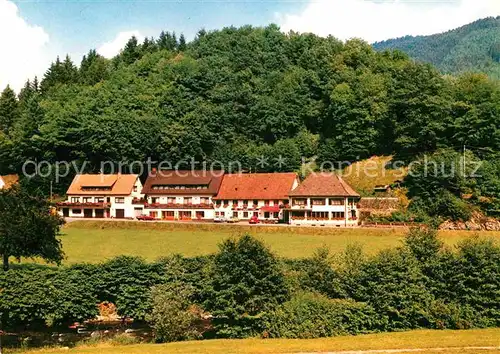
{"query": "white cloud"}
{"type": "Point", "coordinates": [112, 48]}
{"type": "Point", "coordinates": [383, 19]}
{"type": "Point", "coordinates": [24, 47]}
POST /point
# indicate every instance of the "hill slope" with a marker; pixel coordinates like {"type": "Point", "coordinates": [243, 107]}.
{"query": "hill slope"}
{"type": "Point", "coordinates": [474, 47]}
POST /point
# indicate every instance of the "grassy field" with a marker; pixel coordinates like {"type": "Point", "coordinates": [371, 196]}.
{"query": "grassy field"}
{"type": "Point", "coordinates": [95, 241]}
{"type": "Point", "coordinates": [428, 340]}
{"type": "Point", "coordinates": [366, 174]}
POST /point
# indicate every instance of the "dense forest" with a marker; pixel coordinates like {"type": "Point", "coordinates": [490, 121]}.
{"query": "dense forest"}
{"type": "Point", "coordinates": [474, 47]}
{"type": "Point", "coordinates": [237, 94]}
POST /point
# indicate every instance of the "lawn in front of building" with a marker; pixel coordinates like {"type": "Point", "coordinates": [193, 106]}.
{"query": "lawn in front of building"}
{"type": "Point", "coordinates": [95, 241]}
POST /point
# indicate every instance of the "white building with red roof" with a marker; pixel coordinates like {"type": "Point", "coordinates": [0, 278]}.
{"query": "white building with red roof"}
{"type": "Point", "coordinates": [181, 194]}
{"type": "Point", "coordinates": [323, 199]}
{"type": "Point", "coordinates": [102, 196]}
{"type": "Point", "coordinates": [263, 195]}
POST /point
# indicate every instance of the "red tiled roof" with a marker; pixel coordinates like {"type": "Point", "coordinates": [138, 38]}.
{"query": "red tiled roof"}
{"type": "Point", "coordinates": [9, 180]}
{"type": "Point", "coordinates": [323, 184]}
{"type": "Point", "coordinates": [117, 183]}
{"type": "Point", "coordinates": [211, 180]}
{"type": "Point", "coordinates": [259, 186]}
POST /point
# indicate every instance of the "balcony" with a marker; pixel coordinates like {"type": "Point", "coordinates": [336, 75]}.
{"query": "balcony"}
{"type": "Point", "coordinates": [178, 206]}
{"type": "Point", "coordinates": [139, 201]}
{"type": "Point", "coordinates": [83, 205]}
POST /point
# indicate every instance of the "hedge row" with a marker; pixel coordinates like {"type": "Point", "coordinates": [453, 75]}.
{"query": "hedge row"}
{"type": "Point", "coordinates": [250, 292]}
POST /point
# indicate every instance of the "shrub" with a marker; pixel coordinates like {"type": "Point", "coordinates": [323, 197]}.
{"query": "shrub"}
{"type": "Point", "coordinates": [32, 297]}
{"type": "Point", "coordinates": [319, 276]}
{"type": "Point", "coordinates": [173, 317]}
{"type": "Point", "coordinates": [394, 285]}
{"type": "Point", "coordinates": [310, 315]}
{"type": "Point", "coordinates": [473, 279]}
{"type": "Point", "coordinates": [246, 281]}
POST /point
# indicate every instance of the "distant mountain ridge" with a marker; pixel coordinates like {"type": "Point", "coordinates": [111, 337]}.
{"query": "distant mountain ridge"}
{"type": "Point", "coordinates": [474, 47]}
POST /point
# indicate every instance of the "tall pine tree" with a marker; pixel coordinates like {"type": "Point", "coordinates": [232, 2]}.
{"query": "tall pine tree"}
{"type": "Point", "coordinates": [9, 110]}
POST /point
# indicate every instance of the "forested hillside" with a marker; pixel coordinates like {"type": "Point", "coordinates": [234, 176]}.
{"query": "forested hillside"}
{"type": "Point", "coordinates": [474, 47]}
{"type": "Point", "coordinates": [238, 94]}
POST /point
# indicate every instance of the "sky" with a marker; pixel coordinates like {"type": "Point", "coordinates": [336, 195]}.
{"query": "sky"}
{"type": "Point", "coordinates": [34, 32]}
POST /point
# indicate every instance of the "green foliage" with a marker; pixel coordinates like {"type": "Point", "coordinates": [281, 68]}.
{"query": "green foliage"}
{"type": "Point", "coordinates": [27, 227]}
{"type": "Point", "coordinates": [473, 278]}
{"type": "Point", "coordinates": [34, 296]}
{"type": "Point", "coordinates": [437, 182]}
{"type": "Point", "coordinates": [172, 317]}
{"type": "Point", "coordinates": [308, 315]}
{"type": "Point", "coordinates": [9, 110]}
{"type": "Point", "coordinates": [250, 95]}
{"type": "Point", "coordinates": [423, 243]}
{"type": "Point", "coordinates": [319, 276]}
{"type": "Point", "coordinates": [246, 282]}
{"type": "Point", "coordinates": [248, 292]}
{"type": "Point", "coordinates": [469, 48]}
{"type": "Point", "coordinates": [393, 283]}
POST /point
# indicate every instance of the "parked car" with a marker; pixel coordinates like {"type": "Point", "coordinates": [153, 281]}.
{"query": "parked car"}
{"type": "Point", "coordinates": [254, 220]}
{"type": "Point", "coordinates": [233, 220]}
{"type": "Point", "coordinates": [220, 219]}
{"type": "Point", "coordinates": [145, 218]}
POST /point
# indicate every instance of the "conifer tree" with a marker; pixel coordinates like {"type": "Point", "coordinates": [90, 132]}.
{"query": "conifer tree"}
{"type": "Point", "coordinates": [9, 110]}
{"type": "Point", "coordinates": [182, 43]}
{"type": "Point", "coordinates": [131, 51]}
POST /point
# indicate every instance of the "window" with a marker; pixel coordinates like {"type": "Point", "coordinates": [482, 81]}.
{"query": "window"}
{"type": "Point", "coordinates": [119, 200]}
{"type": "Point", "coordinates": [94, 189]}
{"type": "Point", "coordinates": [336, 201]}
{"type": "Point", "coordinates": [266, 202]}
{"type": "Point", "coordinates": [170, 200]}
{"type": "Point", "coordinates": [338, 215]}
{"type": "Point", "coordinates": [318, 201]}
{"type": "Point", "coordinates": [188, 200]}
{"type": "Point", "coordinates": [245, 214]}
{"type": "Point", "coordinates": [75, 199]}
{"type": "Point", "coordinates": [204, 200]}
{"type": "Point", "coordinates": [276, 215]}
{"type": "Point", "coordinates": [99, 199]}
{"type": "Point", "coordinates": [135, 188]}
{"type": "Point", "coordinates": [266, 215]}
{"type": "Point", "coordinates": [276, 202]}
{"type": "Point", "coordinates": [76, 211]}
{"type": "Point", "coordinates": [87, 199]}
{"type": "Point", "coordinates": [154, 200]}
{"type": "Point", "coordinates": [300, 202]}
{"type": "Point", "coordinates": [235, 214]}
{"type": "Point", "coordinates": [322, 215]}
{"type": "Point", "coordinates": [218, 203]}
{"type": "Point", "coordinates": [256, 214]}
{"type": "Point", "coordinates": [235, 202]}
{"type": "Point", "coordinates": [245, 202]}
{"type": "Point", "coordinates": [255, 202]}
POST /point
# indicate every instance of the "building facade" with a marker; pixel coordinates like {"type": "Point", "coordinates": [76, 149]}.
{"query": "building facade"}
{"type": "Point", "coordinates": [263, 195]}
{"type": "Point", "coordinates": [102, 196]}
{"type": "Point", "coordinates": [323, 199]}
{"type": "Point", "coordinates": [181, 195]}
